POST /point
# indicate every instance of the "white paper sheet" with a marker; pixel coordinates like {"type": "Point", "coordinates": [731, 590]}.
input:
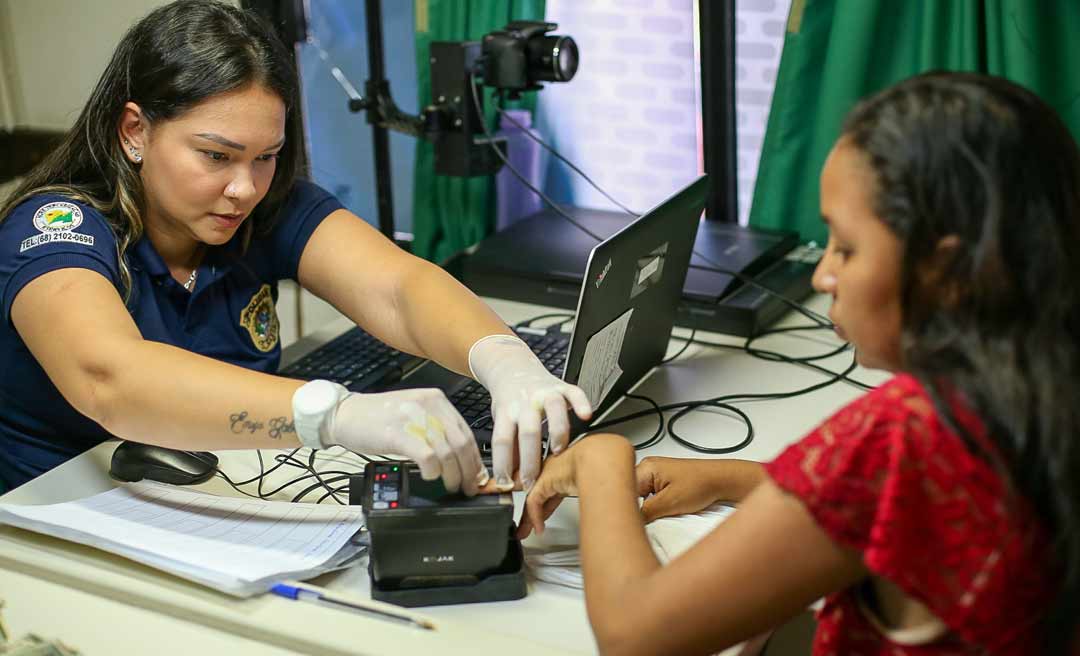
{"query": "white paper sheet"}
{"type": "Point", "coordinates": [600, 365]}
{"type": "Point", "coordinates": [237, 545]}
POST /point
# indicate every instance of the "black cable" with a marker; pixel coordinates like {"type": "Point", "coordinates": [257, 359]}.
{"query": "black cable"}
{"type": "Point", "coordinates": [342, 488]}
{"type": "Point", "coordinates": [773, 356]}
{"type": "Point", "coordinates": [689, 340]}
{"type": "Point", "coordinates": [658, 436]}
{"type": "Point", "coordinates": [551, 150]}
{"type": "Point", "coordinates": [517, 174]}
{"type": "Point", "coordinates": [282, 460]}
{"type": "Point", "coordinates": [724, 402]}
{"type": "Point", "coordinates": [262, 469]}
{"type": "Point", "coordinates": [720, 450]}
{"type": "Point", "coordinates": [717, 268]}
{"type": "Point", "coordinates": [750, 280]}
{"type": "Point", "coordinates": [235, 486]}
{"type": "Point", "coordinates": [300, 479]}
{"type": "Point", "coordinates": [758, 353]}
{"type": "Point", "coordinates": [685, 408]}
{"type": "Point", "coordinates": [269, 495]}
{"type": "Point", "coordinates": [322, 484]}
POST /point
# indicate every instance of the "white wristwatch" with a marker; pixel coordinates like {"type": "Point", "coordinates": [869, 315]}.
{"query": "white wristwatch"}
{"type": "Point", "coordinates": [312, 404]}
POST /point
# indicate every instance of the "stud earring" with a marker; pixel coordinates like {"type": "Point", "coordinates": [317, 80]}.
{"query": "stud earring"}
{"type": "Point", "coordinates": [134, 154]}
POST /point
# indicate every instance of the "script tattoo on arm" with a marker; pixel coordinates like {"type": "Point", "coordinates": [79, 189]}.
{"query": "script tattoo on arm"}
{"type": "Point", "coordinates": [276, 428]}
{"type": "Point", "coordinates": [239, 423]}
{"type": "Point", "coordinates": [280, 426]}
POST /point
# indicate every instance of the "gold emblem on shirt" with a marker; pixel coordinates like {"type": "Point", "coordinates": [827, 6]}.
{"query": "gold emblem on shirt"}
{"type": "Point", "coordinates": [260, 319]}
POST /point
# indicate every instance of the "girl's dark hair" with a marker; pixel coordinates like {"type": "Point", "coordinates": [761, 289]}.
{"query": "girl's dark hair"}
{"type": "Point", "coordinates": [981, 182]}
{"type": "Point", "coordinates": [178, 56]}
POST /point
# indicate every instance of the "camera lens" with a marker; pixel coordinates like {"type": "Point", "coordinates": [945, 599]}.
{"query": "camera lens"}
{"type": "Point", "coordinates": [552, 58]}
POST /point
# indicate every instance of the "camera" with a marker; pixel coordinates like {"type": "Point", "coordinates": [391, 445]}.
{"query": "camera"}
{"type": "Point", "coordinates": [516, 57]}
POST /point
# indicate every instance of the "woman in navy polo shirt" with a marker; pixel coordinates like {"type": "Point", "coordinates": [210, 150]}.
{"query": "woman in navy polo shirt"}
{"type": "Point", "coordinates": [139, 271]}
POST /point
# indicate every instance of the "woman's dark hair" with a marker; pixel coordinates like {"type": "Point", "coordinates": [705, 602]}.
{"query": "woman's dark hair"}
{"type": "Point", "coordinates": [175, 58]}
{"type": "Point", "coordinates": [980, 180]}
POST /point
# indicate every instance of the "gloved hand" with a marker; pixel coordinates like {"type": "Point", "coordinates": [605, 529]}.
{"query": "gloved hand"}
{"type": "Point", "coordinates": [419, 424]}
{"type": "Point", "coordinates": [521, 391]}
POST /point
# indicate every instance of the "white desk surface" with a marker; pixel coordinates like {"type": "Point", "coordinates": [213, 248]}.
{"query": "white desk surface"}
{"type": "Point", "coordinates": [105, 604]}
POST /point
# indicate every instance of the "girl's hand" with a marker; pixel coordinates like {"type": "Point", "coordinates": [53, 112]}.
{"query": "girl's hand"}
{"type": "Point", "coordinates": [677, 486]}
{"type": "Point", "coordinates": [558, 480]}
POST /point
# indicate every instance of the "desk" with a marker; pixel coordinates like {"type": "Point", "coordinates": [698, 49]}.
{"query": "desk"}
{"type": "Point", "coordinates": [105, 604]}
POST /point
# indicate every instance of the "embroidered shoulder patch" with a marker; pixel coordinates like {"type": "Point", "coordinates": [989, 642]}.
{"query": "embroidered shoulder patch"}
{"type": "Point", "coordinates": [57, 222]}
{"type": "Point", "coordinates": [260, 319]}
{"type": "Point", "coordinates": [53, 217]}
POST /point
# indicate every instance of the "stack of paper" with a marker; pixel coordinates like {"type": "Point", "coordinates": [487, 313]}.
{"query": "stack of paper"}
{"type": "Point", "coordinates": [669, 537]}
{"type": "Point", "coordinates": [236, 545]}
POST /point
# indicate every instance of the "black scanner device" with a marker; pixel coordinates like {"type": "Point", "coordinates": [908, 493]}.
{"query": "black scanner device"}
{"type": "Point", "coordinates": [430, 547]}
{"type": "Point", "coordinates": [132, 461]}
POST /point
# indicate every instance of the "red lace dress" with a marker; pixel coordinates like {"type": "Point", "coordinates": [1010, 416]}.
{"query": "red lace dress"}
{"type": "Point", "coordinates": [886, 477]}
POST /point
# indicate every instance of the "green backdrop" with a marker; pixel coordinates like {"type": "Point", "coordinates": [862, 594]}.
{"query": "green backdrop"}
{"type": "Point", "coordinates": [837, 51]}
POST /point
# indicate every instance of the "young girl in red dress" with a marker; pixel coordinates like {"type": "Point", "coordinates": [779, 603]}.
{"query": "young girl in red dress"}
{"type": "Point", "coordinates": [939, 513]}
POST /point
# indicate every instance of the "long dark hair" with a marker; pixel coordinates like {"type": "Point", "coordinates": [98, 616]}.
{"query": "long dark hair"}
{"type": "Point", "coordinates": [994, 316]}
{"type": "Point", "coordinates": [176, 57]}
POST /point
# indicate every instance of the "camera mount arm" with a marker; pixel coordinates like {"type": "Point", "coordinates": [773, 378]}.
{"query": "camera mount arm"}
{"type": "Point", "coordinates": [382, 111]}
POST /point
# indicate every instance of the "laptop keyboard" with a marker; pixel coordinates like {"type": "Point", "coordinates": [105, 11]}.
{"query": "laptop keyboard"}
{"type": "Point", "coordinates": [362, 363]}
{"type": "Point", "coordinates": [356, 360]}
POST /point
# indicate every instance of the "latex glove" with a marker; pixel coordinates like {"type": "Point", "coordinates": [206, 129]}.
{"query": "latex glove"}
{"type": "Point", "coordinates": [522, 392]}
{"type": "Point", "coordinates": [681, 486]}
{"type": "Point", "coordinates": [419, 424]}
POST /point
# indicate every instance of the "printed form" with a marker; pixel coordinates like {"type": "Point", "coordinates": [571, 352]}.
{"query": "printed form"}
{"type": "Point", "coordinates": [237, 545]}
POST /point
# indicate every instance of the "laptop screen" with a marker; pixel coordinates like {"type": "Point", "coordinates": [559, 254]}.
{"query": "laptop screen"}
{"type": "Point", "coordinates": [629, 296]}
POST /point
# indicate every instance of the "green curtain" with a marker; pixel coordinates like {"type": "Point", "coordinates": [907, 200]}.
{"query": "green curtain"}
{"type": "Point", "coordinates": [450, 213]}
{"type": "Point", "coordinates": [837, 51]}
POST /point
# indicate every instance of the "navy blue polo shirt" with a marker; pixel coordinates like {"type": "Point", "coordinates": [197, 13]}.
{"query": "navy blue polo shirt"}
{"type": "Point", "coordinates": [229, 315]}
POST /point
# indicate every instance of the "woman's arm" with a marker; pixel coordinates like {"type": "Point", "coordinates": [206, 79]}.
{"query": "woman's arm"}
{"type": "Point", "coordinates": [763, 565]}
{"type": "Point", "coordinates": [417, 307]}
{"type": "Point", "coordinates": [78, 329]}
{"type": "Point", "coordinates": [403, 300]}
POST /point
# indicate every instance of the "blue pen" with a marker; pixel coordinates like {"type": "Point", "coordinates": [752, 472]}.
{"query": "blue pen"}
{"type": "Point", "coordinates": [308, 594]}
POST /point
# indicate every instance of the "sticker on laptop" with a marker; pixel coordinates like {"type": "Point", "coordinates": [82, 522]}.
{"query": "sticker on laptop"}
{"type": "Point", "coordinates": [600, 368]}
{"type": "Point", "coordinates": [650, 269]}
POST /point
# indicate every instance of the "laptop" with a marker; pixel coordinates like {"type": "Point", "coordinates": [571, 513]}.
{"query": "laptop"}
{"type": "Point", "coordinates": [625, 311]}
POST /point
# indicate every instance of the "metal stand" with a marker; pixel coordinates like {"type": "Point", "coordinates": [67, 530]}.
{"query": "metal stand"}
{"type": "Point", "coordinates": [375, 85]}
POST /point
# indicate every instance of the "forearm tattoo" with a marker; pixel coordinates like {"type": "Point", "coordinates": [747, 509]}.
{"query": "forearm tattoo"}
{"type": "Point", "coordinates": [276, 428]}
{"type": "Point", "coordinates": [280, 426]}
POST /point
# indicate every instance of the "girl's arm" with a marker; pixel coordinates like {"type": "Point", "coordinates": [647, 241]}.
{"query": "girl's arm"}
{"type": "Point", "coordinates": [762, 566]}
